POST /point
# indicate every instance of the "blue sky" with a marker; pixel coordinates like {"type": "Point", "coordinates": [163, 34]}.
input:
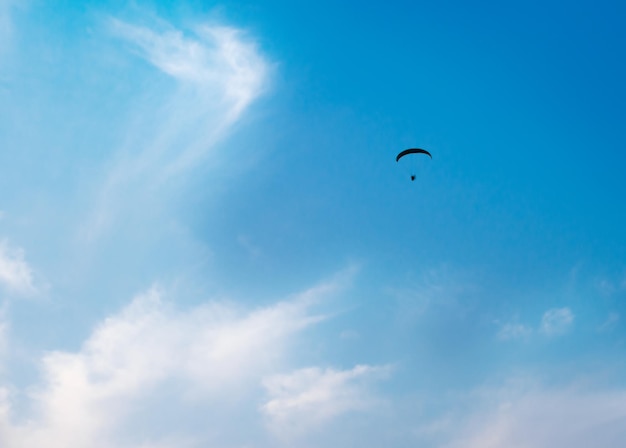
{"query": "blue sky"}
{"type": "Point", "coordinates": [205, 239]}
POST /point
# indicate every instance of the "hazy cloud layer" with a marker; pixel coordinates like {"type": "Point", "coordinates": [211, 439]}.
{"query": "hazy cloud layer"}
{"type": "Point", "coordinates": [545, 418]}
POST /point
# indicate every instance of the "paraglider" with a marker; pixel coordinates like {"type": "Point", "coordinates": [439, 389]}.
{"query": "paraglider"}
{"type": "Point", "coordinates": [412, 151]}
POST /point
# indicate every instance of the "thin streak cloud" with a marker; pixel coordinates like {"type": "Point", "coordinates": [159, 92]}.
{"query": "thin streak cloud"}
{"type": "Point", "coordinates": [307, 398]}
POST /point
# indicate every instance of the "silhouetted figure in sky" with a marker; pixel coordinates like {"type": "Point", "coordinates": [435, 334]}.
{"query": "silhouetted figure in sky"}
{"type": "Point", "coordinates": [412, 151]}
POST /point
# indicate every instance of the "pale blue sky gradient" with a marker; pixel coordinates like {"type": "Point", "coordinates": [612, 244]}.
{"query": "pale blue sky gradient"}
{"type": "Point", "coordinates": [205, 239]}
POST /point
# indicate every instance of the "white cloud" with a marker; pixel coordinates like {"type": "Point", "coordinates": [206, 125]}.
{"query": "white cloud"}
{"type": "Point", "coordinates": [510, 331]}
{"type": "Point", "coordinates": [217, 57]}
{"type": "Point", "coordinates": [15, 273]}
{"type": "Point", "coordinates": [556, 321]}
{"type": "Point", "coordinates": [151, 360]}
{"type": "Point", "coordinates": [218, 72]}
{"type": "Point", "coordinates": [545, 419]}
{"type": "Point", "coordinates": [304, 399]}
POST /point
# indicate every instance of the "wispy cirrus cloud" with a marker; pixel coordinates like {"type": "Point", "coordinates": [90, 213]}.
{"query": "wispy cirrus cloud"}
{"type": "Point", "coordinates": [221, 66]}
{"type": "Point", "coordinates": [218, 58]}
{"type": "Point", "coordinates": [217, 72]}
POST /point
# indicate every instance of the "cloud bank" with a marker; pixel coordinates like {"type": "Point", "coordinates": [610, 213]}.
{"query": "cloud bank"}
{"type": "Point", "coordinates": [152, 360]}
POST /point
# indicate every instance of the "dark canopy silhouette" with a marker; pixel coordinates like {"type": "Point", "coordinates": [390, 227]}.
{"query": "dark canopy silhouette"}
{"type": "Point", "coordinates": [412, 151]}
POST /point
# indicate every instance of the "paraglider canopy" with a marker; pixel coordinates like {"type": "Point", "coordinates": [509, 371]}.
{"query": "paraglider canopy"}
{"type": "Point", "coordinates": [412, 151]}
